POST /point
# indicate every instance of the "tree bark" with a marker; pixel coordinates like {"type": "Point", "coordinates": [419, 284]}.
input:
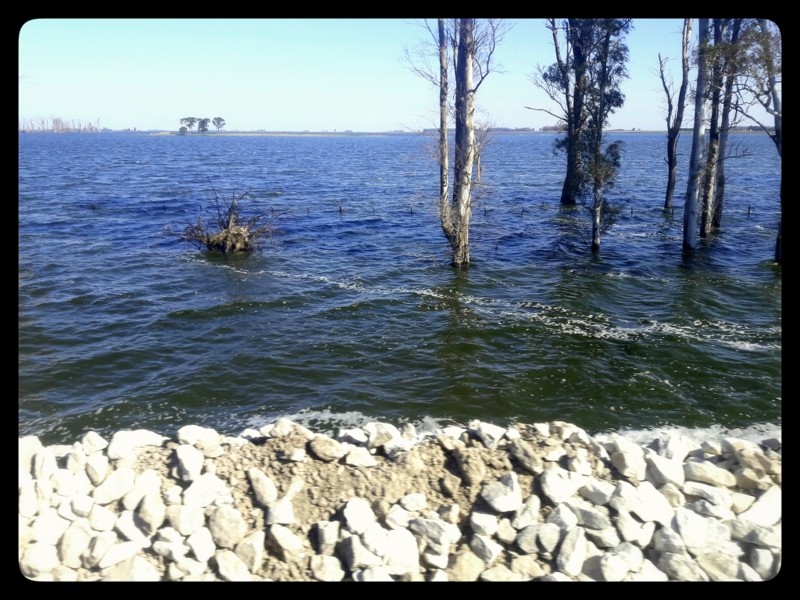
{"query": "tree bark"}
{"type": "Point", "coordinates": [709, 189]}
{"type": "Point", "coordinates": [575, 119]}
{"type": "Point", "coordinates": [777, 112]}
{"type": "Point", "coordinates": [690, 214]}
{"type": "Point", "coordinates": [725, 125]}
{"type": "Point", "coordinates": [599, 175]}
{"type": "Point", "coordinates": [674, 125]}
{"type": "Point", "coordinates": [464, 143]}
{"type": "Point", "coordinates": [445, 213]}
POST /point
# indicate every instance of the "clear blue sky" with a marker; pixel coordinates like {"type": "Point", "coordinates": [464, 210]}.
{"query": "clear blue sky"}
{"type": "Point", "coordinates": [293, 74]}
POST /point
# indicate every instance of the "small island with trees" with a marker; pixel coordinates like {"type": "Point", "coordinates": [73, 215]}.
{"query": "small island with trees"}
{"type": "Point", "coordinates": [202, 123]}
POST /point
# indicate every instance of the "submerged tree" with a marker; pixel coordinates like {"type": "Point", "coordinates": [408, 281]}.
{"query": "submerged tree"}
{"type": "Point", "coordinates": [467, 47]}
{"type": "Point", "coordinates": [229, 230]}
{"type": "Point", "coordinates": [456, 222]}
{"type": "Point", "coordinates": [761, 82]}
{"type": "Point", "coordinates": [696, 163]}
{"type": "Point", "coordinates": [675, 109]}
{"type": "Point", "coordinates": [604, 95]}
{"type": "Point", "coordinates": [582, 61]}
{"type": "Point", "coordinates": [723, 61]}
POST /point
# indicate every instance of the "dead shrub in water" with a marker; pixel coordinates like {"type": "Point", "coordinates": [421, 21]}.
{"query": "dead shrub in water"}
{"type": "Point", "coordinates": [228, 230]}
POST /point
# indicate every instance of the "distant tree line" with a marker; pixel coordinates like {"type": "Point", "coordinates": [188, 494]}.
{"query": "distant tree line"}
{"type": "Point", "coordinates": [59, 125]}
{"type": "Point", "coordinates": [202, 123]}
{"type": "Point", "coordinates": [559, 127]}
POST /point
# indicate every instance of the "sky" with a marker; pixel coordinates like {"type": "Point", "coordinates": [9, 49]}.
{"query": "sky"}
{"type": "Point", "coordinates": [296, 74]}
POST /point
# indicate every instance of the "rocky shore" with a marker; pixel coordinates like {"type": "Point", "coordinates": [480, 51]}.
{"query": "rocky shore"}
{"type": "Point", "coordinates": [541, 502]}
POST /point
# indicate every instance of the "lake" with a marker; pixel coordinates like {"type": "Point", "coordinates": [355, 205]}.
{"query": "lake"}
{"type": "Point", "coordinates": [351, 312]}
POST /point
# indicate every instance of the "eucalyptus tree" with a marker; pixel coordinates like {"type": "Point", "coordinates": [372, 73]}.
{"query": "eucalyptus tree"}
{"type": "Point", "coordinates": [723, 59]}
{"type": "Point", "coordinates": [202, 125]}
{"type": "Point", "coordinates": [464, 49]}
{"type": "Point", "coordinates": [591, 51]}
{"type": "Point", "coordinates": [696, 162]}
{"type": "Point", "coordinates": [736, 71]}
{"type": "Point", "coordinates": [218, 122]}
{"type": "Point", "coordinates": [761, 83]}
{"type": "Point", "coordinates": [675, 109]}
{"type": "Point", "coordinates": [604, 95]}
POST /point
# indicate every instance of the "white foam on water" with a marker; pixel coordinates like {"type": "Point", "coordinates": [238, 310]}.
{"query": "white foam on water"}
{"type": "Point", "coordinates": [754, 433]}
{"type": "Point", "coordinates": [329, 422]}
{"type": "Point", "coordinates": [559, 319]}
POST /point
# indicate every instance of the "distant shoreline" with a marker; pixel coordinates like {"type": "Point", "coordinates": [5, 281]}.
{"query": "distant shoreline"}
{"type": "Point", "coordinates": [354, 133]}
{"type": "Point", "coordinates": [392, 133]}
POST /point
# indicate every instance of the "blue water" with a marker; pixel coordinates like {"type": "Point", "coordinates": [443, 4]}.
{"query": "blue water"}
{"type": "Point", "coordinates": [351, 311]}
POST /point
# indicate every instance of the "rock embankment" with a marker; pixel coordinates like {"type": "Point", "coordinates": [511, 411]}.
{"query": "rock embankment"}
{"type": "Point", "coordinates": [542, 502]}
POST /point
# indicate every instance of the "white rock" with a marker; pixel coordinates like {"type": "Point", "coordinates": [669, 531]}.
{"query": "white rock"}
{"type": "Point", "coordinates": [97, 468]}
{"type": "Point", "coordinates": [264, 488]}
{"type": "Point", "coordinates": [572, 552]}
{"type": "Point", "coordinates": [488, 433]}
{"type": "Point", "coordinates": [375, 539]}
{"type": "Point", "coordinates": [93, 442]}
{"type": "Point", "coordinates": [402, 553]}
{"type": "Point", "coordinates": [358, 515]}
{"type": "Point", "coordinates": [652, 505]}
{"type": "Point", "coordinates": [193, 435]}
{"type": "Point", "coordinates": [766, 510]}
{"type": "Point", "coordinates": [129, 530]}
{"type": "Point", "coordinates": [503, 495]}
{"type": "Point", "coordinates": [118, 553]}
{"type": "Point", "coordinates": [102, 518]}
{"type": "Point", "coordinates": [115, 486]}
{"type": "Point", "coordinates": [483, 523]}
{"type": "Point", "coordinates": [360, 457]}
{"type": "Point", "coordinates": [227, 526]}
{"type": "Point", "coordinates": [283, 541]}
{"type": "Point", "coordinates": [706, 472]}
{"type": "Point", "coordinates": [38, 559]}
{"type": "Point", "coordinates": [27, 447]}
{"type": "Point", "coordinates": [202, 544]}
{"type": "Point", "coordinates": [125, 443]}
{"type": "Point", "coordinates": [48, 527]}
{"type": "Point", "coordinates": [190, 462]}
{"type": "Point", "coordinates": [559, 484]}
{"type": "Point", "coordinates": [372, 573]}
{"type": "Point", "coordinates": [485, 548]}
{"type": "Point", "coordinates": [231, 567]}
{"type": "Point", "coordinates": [251, 550]}
{"type": "Point", "coordinates": [326, 568]}
{"type": "Point", "coordinates": [206, 490]}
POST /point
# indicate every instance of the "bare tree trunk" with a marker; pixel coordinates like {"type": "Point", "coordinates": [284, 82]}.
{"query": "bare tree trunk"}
{"type": "Point", "coordinates": [465, 143]}
{"type": "Point", "coordinates": [709, 177]}
{"type": "Point", "coordinates": [776, 105]}
{"type": "Point", "coordinates": [596, 218]}
{"type": "Point", "coordinates": [690, 222]}
{"type": "Point", "coordinates": [571, 188]}
{"type": "Point", "coordinates": [725, 125]}
{"type": "Point", "coordinates": [598, 169]}
{"type": "Point", "coordinates": [445, 212]}
{"type": "Point", "coordinates": [709, 189]}
{"type": "Point", "coordinates": [674, 125]}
